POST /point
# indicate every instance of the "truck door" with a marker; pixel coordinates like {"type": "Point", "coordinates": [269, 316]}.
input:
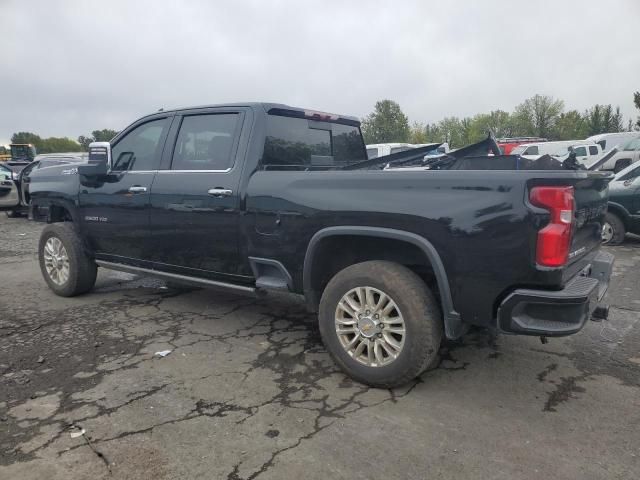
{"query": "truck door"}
{"type": "Point", "coordinates": [195, 198]}
{"type": "Point", "coordinates": [115, 213]}
{"type": "Point", "coordinates": [581, 154]}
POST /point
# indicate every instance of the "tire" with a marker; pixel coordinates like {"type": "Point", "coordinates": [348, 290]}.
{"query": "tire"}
{"type": "Point", "coordinates": [613, 230]}
{"type": "Point", "coordinates": [81, 269]}
{"type": "Point", "coordinates": [415, 305]}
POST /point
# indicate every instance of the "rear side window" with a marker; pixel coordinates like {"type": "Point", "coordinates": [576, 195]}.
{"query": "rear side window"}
{"type": "Point", "coordinates": [205, 142]}
{"type": "Point", "coordinates": [593, 150]}
{"type": "Point", "coordinates": [532, 150]}
{"type": "Point", "coordinates": [372, 153]}
{"type": "Point", "coordinates": [298, 143]}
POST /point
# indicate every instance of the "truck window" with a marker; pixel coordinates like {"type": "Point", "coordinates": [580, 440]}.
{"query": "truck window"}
{"type": "Point", "coordinates": [593, 150]}
{"type": "Point", "coordinates": [372, 153]}
{"type": "Point", "coordinates": [140, 148]}
{"type": "Point", "coordinates": [205, 142]}
{"type": "Point", "coordinates": [632, 145]}
{"type": "Point", "coordinates": [580, 151]}
{"type": "Point", "coordinates": [299, 143]}
{"type": "Point", "coordinates": [532, 150]}
{"type": "Point", "coordinates": [398, 149]}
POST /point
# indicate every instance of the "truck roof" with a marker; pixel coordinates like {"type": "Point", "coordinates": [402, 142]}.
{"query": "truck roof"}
{"type": "Point", "coordinates": [267, 106]}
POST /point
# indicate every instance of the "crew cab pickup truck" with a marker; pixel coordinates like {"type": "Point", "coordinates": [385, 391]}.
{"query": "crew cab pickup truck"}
{"type": "Point", "coordinates": [254, 197]}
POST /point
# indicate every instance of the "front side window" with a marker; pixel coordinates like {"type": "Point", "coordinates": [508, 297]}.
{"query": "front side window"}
{"type": "Point", "coordinates": [593, 150]}
{"type": "Point", "coordinates": [299, 143]}
{"type": "Point", "coordinates": [580, 151]}
{"type": "Point", "coordinates": [532, 150]}
{"type": "Point", "coordinates": [372, 153]}
{"type": "Point", "coordinates": [205, 142]}
{"type": "Point", "coordinates": [140, 149]}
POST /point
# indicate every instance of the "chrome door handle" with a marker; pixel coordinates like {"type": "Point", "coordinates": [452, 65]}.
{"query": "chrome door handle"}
{"type": "Point", "coordinates": [137, 189]}
{"type": "Point", "coordinates": [220, 192]}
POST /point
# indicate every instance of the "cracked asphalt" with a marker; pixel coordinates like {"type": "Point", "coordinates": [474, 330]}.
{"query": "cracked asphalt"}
{"type": "Point", "coordinates": [248, 390]}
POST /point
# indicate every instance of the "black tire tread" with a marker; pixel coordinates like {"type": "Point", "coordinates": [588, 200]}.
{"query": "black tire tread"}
{"type": "Point", "coordinates": [619, 230]}
{"type": "Point", "coordinates": [415, 295]}
{"type": "Point", "coordinates": [82, 268]}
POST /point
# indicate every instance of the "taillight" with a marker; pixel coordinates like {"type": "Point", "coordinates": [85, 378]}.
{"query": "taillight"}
{"type": "Point", "coordinates": [554, 240]}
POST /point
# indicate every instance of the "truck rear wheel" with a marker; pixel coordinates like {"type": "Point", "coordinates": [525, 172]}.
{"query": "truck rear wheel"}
{"type": "Point", "coordinates": [613, 230]}
{"type": "Point", "coordinates": [380, 323]}
{"type": "Point", "coordinates": [65, 266]}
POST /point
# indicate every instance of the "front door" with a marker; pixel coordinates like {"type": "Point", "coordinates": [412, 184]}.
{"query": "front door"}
{"type": "Point", "coordinates": [115, 212]}
{"type": "Point", "coordinates": [195, 201]}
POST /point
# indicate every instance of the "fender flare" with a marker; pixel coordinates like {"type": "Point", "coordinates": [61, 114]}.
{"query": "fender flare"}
{"type": "Point", "coordinates": [619, 210]}
{"type": "Point", "coordinates": [454, 328]}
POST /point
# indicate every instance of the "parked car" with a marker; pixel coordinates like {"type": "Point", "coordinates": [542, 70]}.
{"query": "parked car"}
{"type": "Point", "coordinates": [20, 174]}
{"type": "Point", "coordinates": [257, 197]}
{"type": "Point", "coordinates": [629, 153]}
{"type": "Point", "coordinates": [623, 213]}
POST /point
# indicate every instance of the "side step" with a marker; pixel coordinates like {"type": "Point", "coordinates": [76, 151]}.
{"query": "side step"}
{"type": "Point", "coordinates": [197, 282]}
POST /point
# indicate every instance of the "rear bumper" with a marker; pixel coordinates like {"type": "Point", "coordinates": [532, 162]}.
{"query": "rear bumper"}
{"type": "Point", "coordinates": [557, 312]}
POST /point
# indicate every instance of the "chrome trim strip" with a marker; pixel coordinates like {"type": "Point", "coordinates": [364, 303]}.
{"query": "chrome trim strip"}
{"type": "Point", "coordinates": [195, 171]}
{"type": "Point", "coordinates": [175, 276]}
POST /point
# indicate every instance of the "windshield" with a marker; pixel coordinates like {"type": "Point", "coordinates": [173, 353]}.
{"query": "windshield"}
{"type": "Point", "coordinates": [632, 171]}
{"type": "Point", "coordinates": [21, 152]}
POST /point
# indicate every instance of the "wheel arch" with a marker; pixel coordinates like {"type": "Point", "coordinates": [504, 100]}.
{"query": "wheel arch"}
{"type": "Point", "coordinates": [454, 327]}
{"type": "Point", "coordinates": [620, 211]}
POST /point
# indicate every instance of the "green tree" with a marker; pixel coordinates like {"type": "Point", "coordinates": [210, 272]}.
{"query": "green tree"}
{"type": "Point", "coordinates": [386, 124]}
{"type": "Point", "coordinates": [59, 145]}
{"type": "Point", "coordinates": [104, 135]}
{"type": "Point", "coordinates": [26, 137]}
{"type": "Point", "coordinates": [571, 125]}
{"type": "Point", "coordinates": [604, 119]}
{"type": "Point", "coordinates": [418, 133]}
{"type": "Point", "coordinates": [497, 121]}
{"type": "Point", "coordinates": [537, 116]}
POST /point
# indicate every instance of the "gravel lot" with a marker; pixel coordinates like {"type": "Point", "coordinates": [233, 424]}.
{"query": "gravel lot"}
{"type": "Point", "coordinates": [249, 392]}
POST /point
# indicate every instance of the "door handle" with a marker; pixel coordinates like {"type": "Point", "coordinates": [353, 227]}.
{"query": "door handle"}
{"type": "Point", "coordinates": [220, 192]}
{"type": "Point", "coordinates": [137, 189]}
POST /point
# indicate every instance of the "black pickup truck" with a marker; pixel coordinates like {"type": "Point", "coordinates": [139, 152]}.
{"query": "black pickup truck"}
{"type": "Point", "coordinates": [253, 197]}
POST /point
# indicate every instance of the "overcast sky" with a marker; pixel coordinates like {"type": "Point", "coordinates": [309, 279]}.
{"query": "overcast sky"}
{"type": "Point", "coordinates": [70, 67]}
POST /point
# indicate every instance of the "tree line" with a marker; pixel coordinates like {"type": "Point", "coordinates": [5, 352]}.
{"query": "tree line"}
{"type": "Point", "coordinates": [63, 144]}
{"type": "Point", "coordinates": [538, 116]}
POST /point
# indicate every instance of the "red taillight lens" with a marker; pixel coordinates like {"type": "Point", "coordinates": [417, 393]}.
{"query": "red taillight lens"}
{"type": "Point", "coordinates": [554, 240]}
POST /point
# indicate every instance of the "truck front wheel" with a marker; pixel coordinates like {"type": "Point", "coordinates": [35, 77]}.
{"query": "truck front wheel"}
{"type": "Point", "coordinates": [613, 230]}
{"type": "Point", "coordinates": [380, 323]}
{"type": "Point", "coordinates": [65, 266]}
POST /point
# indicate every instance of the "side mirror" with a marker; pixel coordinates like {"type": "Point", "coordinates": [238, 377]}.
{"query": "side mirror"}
{"type": "Point", "coordinates": [99, 160]}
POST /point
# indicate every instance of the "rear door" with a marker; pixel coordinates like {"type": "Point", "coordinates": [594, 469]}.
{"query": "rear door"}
{"type": "Point", "coordinates": [115, 213]}
{"type": "Point", "coordinates": [195, 197]}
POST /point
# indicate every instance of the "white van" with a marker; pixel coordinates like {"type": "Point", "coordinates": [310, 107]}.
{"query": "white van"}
{"type": "Point", "coordinates": [609, 140]}
{"type": "Point", "coordinates": [587, 152]}
{"type": "Point", "coordinates": [628, 153]}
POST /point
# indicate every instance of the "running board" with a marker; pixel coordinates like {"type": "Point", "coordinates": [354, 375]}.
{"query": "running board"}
{"type": "Point", "coordinates": [198, 282]}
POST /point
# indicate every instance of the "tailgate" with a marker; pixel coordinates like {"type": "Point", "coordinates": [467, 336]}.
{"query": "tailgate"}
{"type": "Point", "coordinates": [591, 196]}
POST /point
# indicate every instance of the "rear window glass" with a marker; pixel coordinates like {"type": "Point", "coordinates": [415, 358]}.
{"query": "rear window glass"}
{"type": "Point", "coordinates": [298, 143]}
{"type": "Point", "coordinates": [593, 150]}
